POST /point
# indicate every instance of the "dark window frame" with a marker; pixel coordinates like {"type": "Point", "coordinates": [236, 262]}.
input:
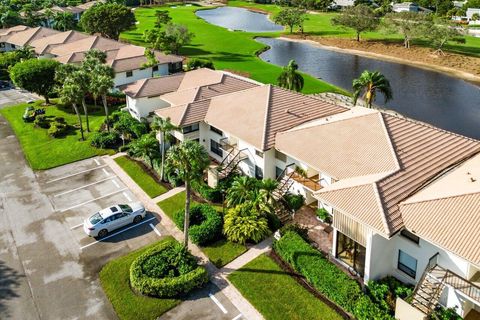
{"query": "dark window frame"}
{"type": "Point", "coordinates": [406, 269]}
{"type": "Point", "coordinates": [155, 68]}
{"type": "Point", "coordinates": [258, 172]}
{"type": "Point", "coordinates": [217, 131]}
{"type": "Point", "coordinates": [215, 148]}
{"type": "Point", "coordinates": [129, 74]}
{"type": "Point", "coordinates": [410, 236]}
{"type": "Point", "coordinates": [259, 153]}
{"type": "Point", "coordinates": [191, 128]}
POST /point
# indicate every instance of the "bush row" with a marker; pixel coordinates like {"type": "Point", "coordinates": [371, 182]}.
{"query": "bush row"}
{"type": "Point", "coordinates": [105, 139]}
{"type": "Point", "coordinates": [166, 286]}
{"type": "Point", "coordinates": [327, 278]}
{"type": "Point", "coordinates": [205, 223]}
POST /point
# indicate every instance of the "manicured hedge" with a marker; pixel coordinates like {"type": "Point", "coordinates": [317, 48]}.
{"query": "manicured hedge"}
{"type": "Point", "coordinates": [205, 223]}
{"type": "Point", "coordinates": [166, 271]}
{"type": "Point", "coordinates": [294, 201]}
{"type": "Point", "coordinates": [326, 277]}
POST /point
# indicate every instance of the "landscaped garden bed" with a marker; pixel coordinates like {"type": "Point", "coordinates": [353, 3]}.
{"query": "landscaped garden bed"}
{"type": "Point", "coordinates": [276, 294]}
{"type": "Point", "coordinates": [115, 280]}
{"type": "Point", "coordinates": [141, 176]}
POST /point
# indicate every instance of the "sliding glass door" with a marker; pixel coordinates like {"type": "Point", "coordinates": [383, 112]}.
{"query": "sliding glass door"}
{"type": "Point", "coordinates": [351, 253]}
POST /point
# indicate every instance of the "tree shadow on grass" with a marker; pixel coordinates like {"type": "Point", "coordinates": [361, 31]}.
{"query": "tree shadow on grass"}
{"type": "Point", "coordinates": [9, 282]}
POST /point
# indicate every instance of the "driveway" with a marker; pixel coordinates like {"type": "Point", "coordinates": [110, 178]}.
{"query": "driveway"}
{"type": "Point", "coordinates": [15, 96]}
{"type": "Point", "coordinates": [48, 266]}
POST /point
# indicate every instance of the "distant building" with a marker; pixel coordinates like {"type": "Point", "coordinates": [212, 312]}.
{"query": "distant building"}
{"type": "Point", "coordinates": [471, 12]}
{"type": "Point", "coordinates": [459, 4]}
{"type": "Point", "coordinates": [405, 7]}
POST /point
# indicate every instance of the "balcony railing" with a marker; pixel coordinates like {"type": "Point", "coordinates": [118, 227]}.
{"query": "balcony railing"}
{"type": "Point", "coordinates": [312, 183]}
{"type": "Point", "coordinates": [227, 144]}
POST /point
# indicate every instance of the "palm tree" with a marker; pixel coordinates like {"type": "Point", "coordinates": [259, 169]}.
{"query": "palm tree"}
{"type": "Point", "coordinates": [82, 78]}
{"type": "Point", "coordinates": [290, 78]}
{"type": "Point", "coordinates": [190, 159]}
{"type": "Point", "coordinates": [267, 187]}
{"type": "Point", "coordinates": [370, 83]}
{"type": "Point", "coordinates": [145, 147]}
{"type": "Point", "coordinates": [71, 93]}
{"type": "Point", "coordinates": [101, 83]}
{"type": "Point", "coordinates": [243, 189]}
{"type": "Point", "coordinates": [165, 128]}
{"type": "Point", "coordinates": [63, 21]}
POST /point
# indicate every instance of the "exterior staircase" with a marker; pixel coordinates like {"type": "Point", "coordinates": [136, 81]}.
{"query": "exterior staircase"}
{"type": "Point", "coordinates": [230, 162]}
{"type": "Point", "coordinates": [285, 182]}
{"type": "Point", "coordinates": [427, 293]}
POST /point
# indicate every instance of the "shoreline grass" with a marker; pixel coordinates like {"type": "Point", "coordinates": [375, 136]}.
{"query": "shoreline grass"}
{"type": "Point", "coordinates": [141, 177]}
{"type": "Point", "coordinates": [229, 50]}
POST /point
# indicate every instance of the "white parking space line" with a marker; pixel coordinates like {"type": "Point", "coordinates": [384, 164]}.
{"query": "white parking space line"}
{"type": "Point", "coordinates": [156, 230]}
{"type": "Point", "coordinates": [75, 227]}
{"type": "Point", "coordinates": [82, 187]}
{"type": "Point", "coordinates": [75, 174]}
{"type": "Point", "coordinates": [92, 200]}
{"type": "Point", "coordinates": [117, 233]}
{"type": "Point", "coordinates": [116, 183]}
{"type": "Point", "coordinates": [237, 317]}
{"type": "Point", "coordinates": [219, 305]}
{"type": "Point", "coordinates": [126, 196]}
{"type": "Point", "coordinates": [106, 172]}
{"type": "Point", "coordinates": [97, 162]}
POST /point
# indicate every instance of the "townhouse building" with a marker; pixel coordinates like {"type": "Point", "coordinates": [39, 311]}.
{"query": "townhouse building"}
{"type": "Point", "coordinates": [128, 61]}
{"type": "Point", "coordinates": [404, 196]}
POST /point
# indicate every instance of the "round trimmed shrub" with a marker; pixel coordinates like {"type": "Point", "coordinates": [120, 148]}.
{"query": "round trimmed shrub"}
{"type": "Point", "coordinates": [294, 201]}
{"type": "Point", "coordinates": [167, 270]}
{"type": "Point", "coordinates": [205, 223]}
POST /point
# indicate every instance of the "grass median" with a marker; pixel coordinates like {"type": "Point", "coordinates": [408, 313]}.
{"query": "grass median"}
{"type": "Point", "coordinates": [115, 280]}
{"type": "Point", "coordinates": [45, 152]}
{"type": "Point", "coordinates": [276, 295]}
{"type": "Point", "coordinates": [141, 177]}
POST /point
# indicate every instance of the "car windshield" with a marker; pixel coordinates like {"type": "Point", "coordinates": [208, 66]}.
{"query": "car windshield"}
{"type": "Point", "coordinates": [125, 208]}
{"type": "Point", "coordinates": [96, 218]}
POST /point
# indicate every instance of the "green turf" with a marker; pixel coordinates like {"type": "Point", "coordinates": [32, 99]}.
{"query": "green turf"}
{"type": "Point", "coordinates": [115, 280]}
{"type": "Point", "coordinates": [235, 51]}
{"type": "Point", "coordinates": [43, 151]}
{"type": "Point", "coordinates": [276, 295]}
{"type": "Point", "coordinates": [223, 251]}
{"type": "Point", "coordinates": [320, 24]}
{"type": "Point", "coordinates": [173, 204]}
{"type": "Point", "coordinates": [141, 177]}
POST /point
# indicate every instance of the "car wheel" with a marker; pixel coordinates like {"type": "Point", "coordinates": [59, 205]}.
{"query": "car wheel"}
{"type": "Point", "coordinates": [137, 219]}
{"type": "Point", "coordinates": [102, 233]}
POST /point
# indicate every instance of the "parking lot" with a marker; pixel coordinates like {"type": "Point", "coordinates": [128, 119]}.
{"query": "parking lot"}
{"type": "Point", "coordinates": [78, 190]}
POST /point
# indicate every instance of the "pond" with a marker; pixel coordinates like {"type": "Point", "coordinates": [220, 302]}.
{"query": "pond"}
{"type": "Point", "coordinates": [446, 102]}
{"type": "Point", "coordinates": [239, 19]}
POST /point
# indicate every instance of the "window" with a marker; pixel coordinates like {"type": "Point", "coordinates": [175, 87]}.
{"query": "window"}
{"type": "Point", "coordinates": [126, 208]}
{"type": "Point", "coordinates": [190, 128]}
{"type": "Point", "coordinates": [13, 46]}
{"type": "Point", "coordinates": [278, 172]}
{"type": "Point", "coordinates": [129, 74]}
{"type": "Point", "coordinates": [258, 172]}
{"type": "Point", "coordinates": [215, 148]}
{"type": "Point", "coordinates": [407, 263]}
{"type": "Point", "coordinates": [351, 253]}
{"type": "Point", "coordinates": [217, 131]}
{"type": "Point", "coordinates": [280, 156]}
{"type": "Point", "coordinates": [155, 68]}
{"type": "Point", "coordinates": [2, 44]}
{"type": "Point", "coordinates": [259, 153]}
{"type": "Point", "coordinates": [410, 236]}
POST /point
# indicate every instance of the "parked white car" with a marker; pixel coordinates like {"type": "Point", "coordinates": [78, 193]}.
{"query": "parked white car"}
{"type": "Point", "coordinates": [114, 217]}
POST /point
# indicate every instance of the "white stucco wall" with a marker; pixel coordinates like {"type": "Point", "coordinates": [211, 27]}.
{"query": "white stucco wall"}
{"type": "Point", "coordinates": [384, 258]}
{"type": "Point", "coordinates": [141, 107]}
{"type": "Point", "coordinates": [121, 77]}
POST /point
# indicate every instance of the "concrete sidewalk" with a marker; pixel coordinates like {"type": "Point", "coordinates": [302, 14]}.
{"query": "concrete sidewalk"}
{"type": "Point", "coordinates": [218, 277]}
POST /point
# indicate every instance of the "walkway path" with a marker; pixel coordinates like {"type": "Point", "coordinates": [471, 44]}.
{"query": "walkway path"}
{"type": "Point", "coordinates": [218, 277]}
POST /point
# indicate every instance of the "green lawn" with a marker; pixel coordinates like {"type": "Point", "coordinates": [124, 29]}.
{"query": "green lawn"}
{"type": "Point", "coordinates": [222, 252]}
{"type": "Point", "coordinates": [141, 176]}
{"type": "Point", "coordinates": [43, 151]}
{"type": "Point", "coordinates": [319, 24]}
{"type": "Point", "coordinates": [276, 295]}
{"type": "Point", "coordinates": [234, 51]}
{"type": "Point", "coordinates": [115, 280]}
